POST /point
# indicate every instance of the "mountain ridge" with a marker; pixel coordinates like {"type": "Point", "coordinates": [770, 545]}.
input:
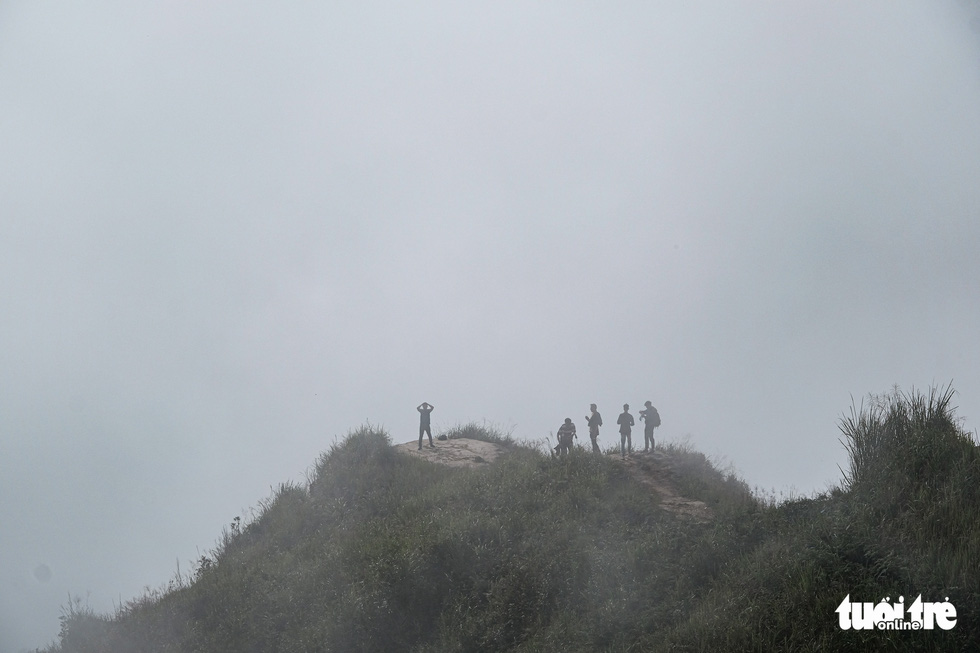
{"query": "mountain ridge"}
{"type": "Point", "coordinates": [384, 550]}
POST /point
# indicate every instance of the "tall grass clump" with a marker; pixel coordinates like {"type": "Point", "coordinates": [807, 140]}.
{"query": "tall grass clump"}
{"type": "Point", "coordinates": [914, 484]}
{"type": "Point", "coordinates": [356, 470]}
{"type": "Point", "coordinates": [913, 469]}
{"type": "Point", "coordinates": [475, 431]}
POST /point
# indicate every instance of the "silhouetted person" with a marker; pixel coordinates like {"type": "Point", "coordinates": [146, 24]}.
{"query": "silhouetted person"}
{"type": "Point", "coordinates": [565, 434]}
{"type": "Point", "coordinates": [595, 421]}
{"type": "Point", "coordinates": [651, 420]}
{"type": "Point", "coordinates": [425, 426]}
{"type": "Point", "coordinates": [625, 422]}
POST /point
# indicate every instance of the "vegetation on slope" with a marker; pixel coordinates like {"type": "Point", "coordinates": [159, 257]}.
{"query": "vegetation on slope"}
{"type": "Point", "coordinates": [385, 552]}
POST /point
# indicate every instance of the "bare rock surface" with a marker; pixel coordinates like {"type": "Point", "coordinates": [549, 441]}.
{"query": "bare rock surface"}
{"type": "Point", "coordinates": [457, 452]}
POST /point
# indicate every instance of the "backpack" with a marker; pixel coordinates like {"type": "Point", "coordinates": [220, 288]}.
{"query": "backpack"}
{"type": "Point", "coordinates": [653, 417]}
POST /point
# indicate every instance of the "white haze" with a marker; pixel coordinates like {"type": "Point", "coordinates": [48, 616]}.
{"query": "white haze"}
{"type": "Point", "coordinates": [232, 231]}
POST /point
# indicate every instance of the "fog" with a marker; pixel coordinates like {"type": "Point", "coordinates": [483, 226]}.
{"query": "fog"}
{"type": "Point", "coordinates": [231, 232]}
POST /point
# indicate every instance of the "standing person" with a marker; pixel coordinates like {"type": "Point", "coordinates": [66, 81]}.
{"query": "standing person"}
{"type": "Point", "coordinates": [651, 420]}
{"type": "Point", "coordinates": [425, 426]}
{"type": "Point", "coordinates": [595, 421]}
{"type": "Point", "coordinates": [565, 434]}
{"type": "Point", "coordinates": [626, 423]}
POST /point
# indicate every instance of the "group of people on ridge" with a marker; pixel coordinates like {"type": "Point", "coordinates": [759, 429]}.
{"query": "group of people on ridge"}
{"type": "Point", "coordinates": [566, 432]}
{"type": "Point", "coordinates": [649, 415]}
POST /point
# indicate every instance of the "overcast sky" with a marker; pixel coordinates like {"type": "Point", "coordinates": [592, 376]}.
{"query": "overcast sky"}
{"type": "Point", "coordinates": [232, 231]}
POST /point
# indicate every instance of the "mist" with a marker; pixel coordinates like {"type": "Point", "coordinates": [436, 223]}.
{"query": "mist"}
{"type": "Point", "coordinates": [231, 233]}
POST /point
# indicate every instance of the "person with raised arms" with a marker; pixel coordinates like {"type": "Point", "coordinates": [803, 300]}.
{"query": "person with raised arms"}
{"type": "Point", "coordinates": [425, 425]}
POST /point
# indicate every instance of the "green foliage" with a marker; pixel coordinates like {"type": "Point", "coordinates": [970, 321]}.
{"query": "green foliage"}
{"type": "Point", "coordinates": [696, 477]}
{"type": "Point", "coordinates": [386, 552]}
{"type": "Point", "coordinates": [913, 468]}
{"type": "Point", "coordinates": [475, 431]}
{"type": "Point", "coordinates": [81, 628]}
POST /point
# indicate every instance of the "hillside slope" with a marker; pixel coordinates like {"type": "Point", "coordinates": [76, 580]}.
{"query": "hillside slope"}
{"type": "Point", "coordinates": [655, 469]}
{"type": "Point", "coordinates": [389, 552]}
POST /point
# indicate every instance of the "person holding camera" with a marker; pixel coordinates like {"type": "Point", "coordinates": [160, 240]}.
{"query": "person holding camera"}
{"type": "Point", "coordinates": [595, 421]}
{"type": "Point", "coordinates": [651, 420]}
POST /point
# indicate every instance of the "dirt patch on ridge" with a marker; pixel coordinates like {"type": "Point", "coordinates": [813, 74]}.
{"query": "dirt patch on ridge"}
{"type": "Point", "coordinates": [654, 469]}
{"type": "Point", "coordinates": [457, 452]}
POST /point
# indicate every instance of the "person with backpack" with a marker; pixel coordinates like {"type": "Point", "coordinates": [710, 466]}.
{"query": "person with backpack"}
{"type": "Point", "coordinates": [626, 423]}
{"type": "Point", "coordinates": [651, 420]}
{"type": "Point", "coordinates": [595, 421]}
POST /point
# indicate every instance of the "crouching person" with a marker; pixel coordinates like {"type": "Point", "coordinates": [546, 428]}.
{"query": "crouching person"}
{"type": "Point", "coordinates": [566, 432]}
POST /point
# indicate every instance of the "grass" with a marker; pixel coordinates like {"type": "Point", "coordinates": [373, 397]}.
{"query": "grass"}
{"type": "Point", "coordinates": [484, 432]}
{"type": "Point", "coordinates": [385, 552]}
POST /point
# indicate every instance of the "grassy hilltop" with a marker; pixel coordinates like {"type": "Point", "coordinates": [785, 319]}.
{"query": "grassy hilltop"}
{"type": "Point", "coordinates": [385, 552]}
